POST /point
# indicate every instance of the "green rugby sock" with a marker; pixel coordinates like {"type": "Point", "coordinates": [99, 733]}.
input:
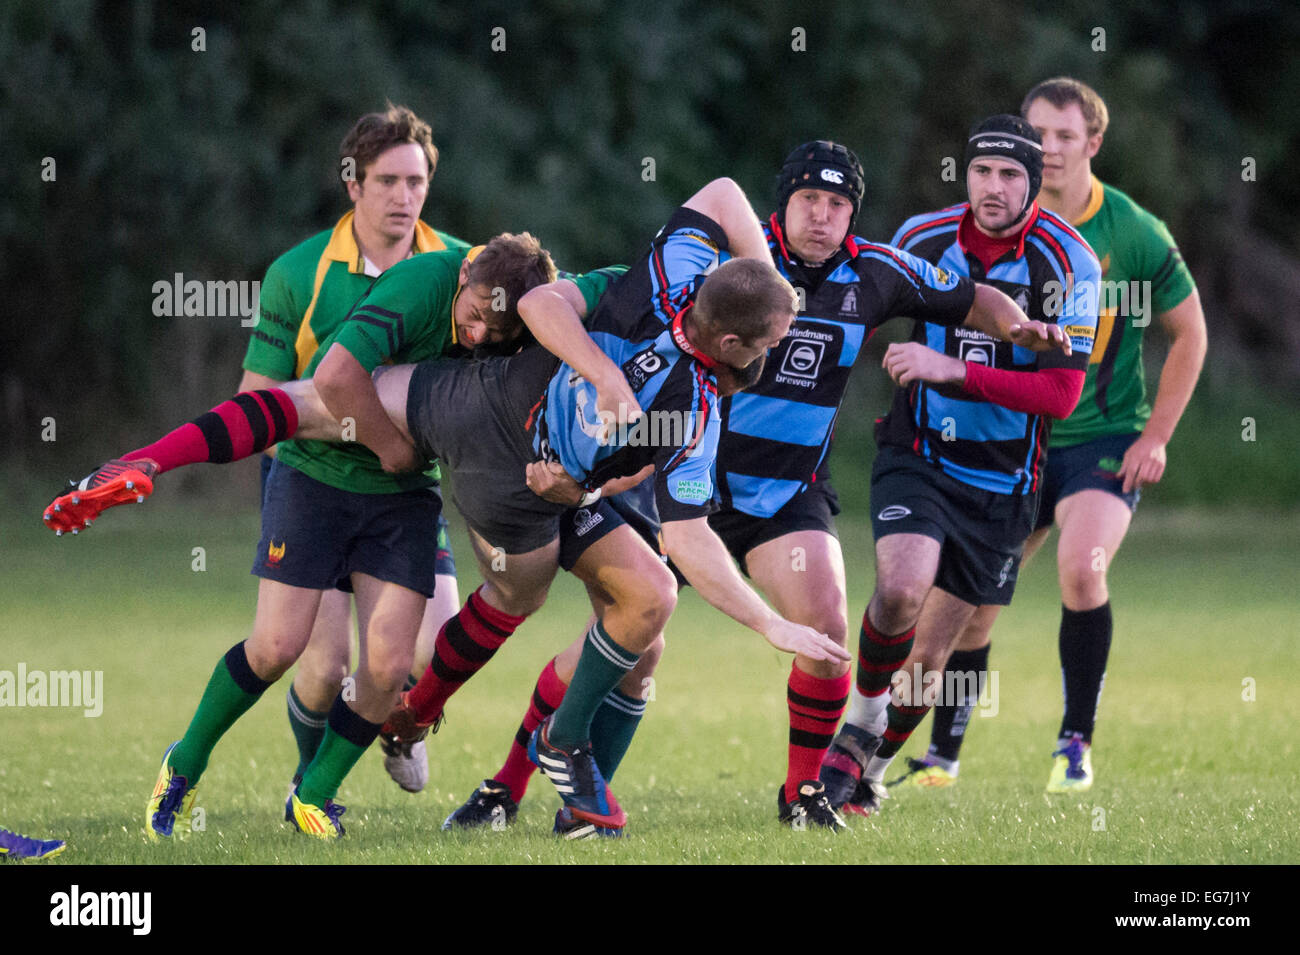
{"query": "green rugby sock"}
{"type": "Point", "coordinates": [347, 736]}
{"type": "Point", "coordinates": [600, 668]}
{"type": "Point", "coordinates": [231, 692]}
{"type": "Point", "coordinates": [308, 730]}
{"type": "Point", "coordinates": [612, 729]}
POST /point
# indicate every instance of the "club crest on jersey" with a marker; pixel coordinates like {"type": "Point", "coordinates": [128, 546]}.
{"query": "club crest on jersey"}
{"type": "Point", "coordinates": [643, 366]}
{"type": "Point", "coordinates": [849, 304]}
{"type": "Point", "coordinates": [945, 278]}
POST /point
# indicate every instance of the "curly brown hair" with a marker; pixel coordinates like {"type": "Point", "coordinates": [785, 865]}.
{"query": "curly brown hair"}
{"type": "Point", "coordinates": [516, 264]}
{"type": "Point", "coordinates": [375, 133]}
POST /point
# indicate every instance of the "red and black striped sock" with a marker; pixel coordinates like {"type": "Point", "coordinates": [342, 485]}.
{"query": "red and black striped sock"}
{"type": "Point", "coordinates": [518, 768]}
{"type": "Point", "coordinates": [880, 656]}
{"type": "Point", "coordinates": [816, 705]}
{"type": "Point", "coordinates": [902, 721]}
{"type": "Point", "coordinates": [465, 644]}
{"type": "Point", "coordinates": [245, 425]}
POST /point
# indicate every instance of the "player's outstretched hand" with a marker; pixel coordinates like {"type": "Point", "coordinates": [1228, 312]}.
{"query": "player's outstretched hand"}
{"type": "Point", "coordinates": [549, 481]}
{"type": "Point", "coordinates": [907, 362]}
{"type": "Point", "coordinates": [796, 638]}
{"type": "Point", "coordinates": [1040, 336]}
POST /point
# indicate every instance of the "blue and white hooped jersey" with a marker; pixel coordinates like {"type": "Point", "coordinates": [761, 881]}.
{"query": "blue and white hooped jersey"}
{"type": "Point", "coordinates": [638, 323]}
{"type": "Point", "coordinates": [1054, 277]}
{"type": "Point", "coordinates": [776, 434]}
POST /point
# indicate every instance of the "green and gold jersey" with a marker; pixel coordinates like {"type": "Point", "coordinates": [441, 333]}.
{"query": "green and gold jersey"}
{"type": "Point", "coordinates": [310, 290]}
{"type": "Point", "coordinates": [307, 295]}
{"type": "Point", "coordinates": [593, 284]}
{"type": "Point", "coordinates": [405, 317]}
{"type": "Point", "coordinates": [1142, 274]}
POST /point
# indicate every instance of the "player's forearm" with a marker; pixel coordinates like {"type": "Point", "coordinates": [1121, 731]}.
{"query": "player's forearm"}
{"type": "Point", "coordinates": [1053, 392]}
{"type": "Point", "coordinates": [703, 559]}
{"type": "Point", "coordinates": [993, 313]}
{"type": "Point", "coordinates": [1178, 379]}
{"type": "Point", "coordinates": [348, 394]}
{"type": "Point", "coordinates": [558, 328]}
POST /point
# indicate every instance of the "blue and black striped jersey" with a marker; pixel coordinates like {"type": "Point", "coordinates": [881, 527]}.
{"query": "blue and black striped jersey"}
{"type": "Point", "coordinates": [1053, 275]}
{"type": "Point", "coordinates": [637, 323]}
{"type": "Point", "coordinates": [776, 434]}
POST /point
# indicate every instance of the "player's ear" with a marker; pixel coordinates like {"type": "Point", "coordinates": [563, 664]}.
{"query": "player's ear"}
{"type": "Point", "coordinates": [354, 190]}
{"type": "Point", "coordinates": [463, 279]}
{"type": "Point", "coordinates": [1094, 144]}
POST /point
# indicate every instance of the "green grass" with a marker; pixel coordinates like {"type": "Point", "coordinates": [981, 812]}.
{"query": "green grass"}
{"type": "Point", "coordinates": [1188, 772]}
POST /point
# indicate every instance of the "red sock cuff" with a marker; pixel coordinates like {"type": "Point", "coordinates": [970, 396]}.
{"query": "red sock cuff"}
{"type": "Point", "coordinates": [497, 618]}
{"type": "Point", "coordinates": [820, 688]}
{"type": "Point", "coordinates": [884, 639]}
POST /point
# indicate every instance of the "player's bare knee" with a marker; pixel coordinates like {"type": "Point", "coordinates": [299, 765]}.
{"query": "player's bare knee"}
{"type": "Point", "coordinates": [828, 618]}
{"type": "Point", "coordinates": [323, 673]}
{"type": "Point", "coordinates": [518, 598]}
{"type": "Point", "coordinates": [1083, 582]}
{"type": "Point", "coordinates": [271, 655]}
{"type": "Point", "coordinates": [658, 599]}
{"type": "Point", "coordinates": [388, 667]}
{"type": "Point", "coordinates": [898, 604]}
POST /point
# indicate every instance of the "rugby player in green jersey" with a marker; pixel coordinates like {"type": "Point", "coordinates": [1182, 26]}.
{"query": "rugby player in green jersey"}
{"type": "Point", "coordinates": [387, 160]}
{"type": "Point", "coordinates": [316, 532]}
{"type": "Point", "coordinates": [1114, 443]}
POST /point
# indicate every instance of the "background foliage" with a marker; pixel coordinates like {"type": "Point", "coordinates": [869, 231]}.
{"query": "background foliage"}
{"type": "Point", "coordinates": [212, 163]}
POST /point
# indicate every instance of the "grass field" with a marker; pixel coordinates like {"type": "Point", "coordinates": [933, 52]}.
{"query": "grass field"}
{"type": "Point", "coordinates": [1188, 770]}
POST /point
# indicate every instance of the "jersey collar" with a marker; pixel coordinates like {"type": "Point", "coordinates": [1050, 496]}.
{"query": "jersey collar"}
{"type": "Point", "coordinates": [1095, 196]}
{"type": "Point", "coordinates": [682, 342]}
{"type": "Point", "coordinates": [1030, 220]}
{"type": "Point", "coordinates": [846, 250]}
{"type": "Point", "coordinates": [342, 246]}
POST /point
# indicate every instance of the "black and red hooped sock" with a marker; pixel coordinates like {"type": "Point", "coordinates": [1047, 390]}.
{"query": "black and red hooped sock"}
{"type": "Point", "coordinates": [816, 705]}
{"type": "Point", "coordinates": [245, 425]}
{"type": "Point", "coordinates": [465, 644]}
{"type": "Point", "coordinates": [518, 768]}
{"type": "Point", "coordinates": [880, 656]}
{"type": "Point", "coordinates": [902, 721]}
